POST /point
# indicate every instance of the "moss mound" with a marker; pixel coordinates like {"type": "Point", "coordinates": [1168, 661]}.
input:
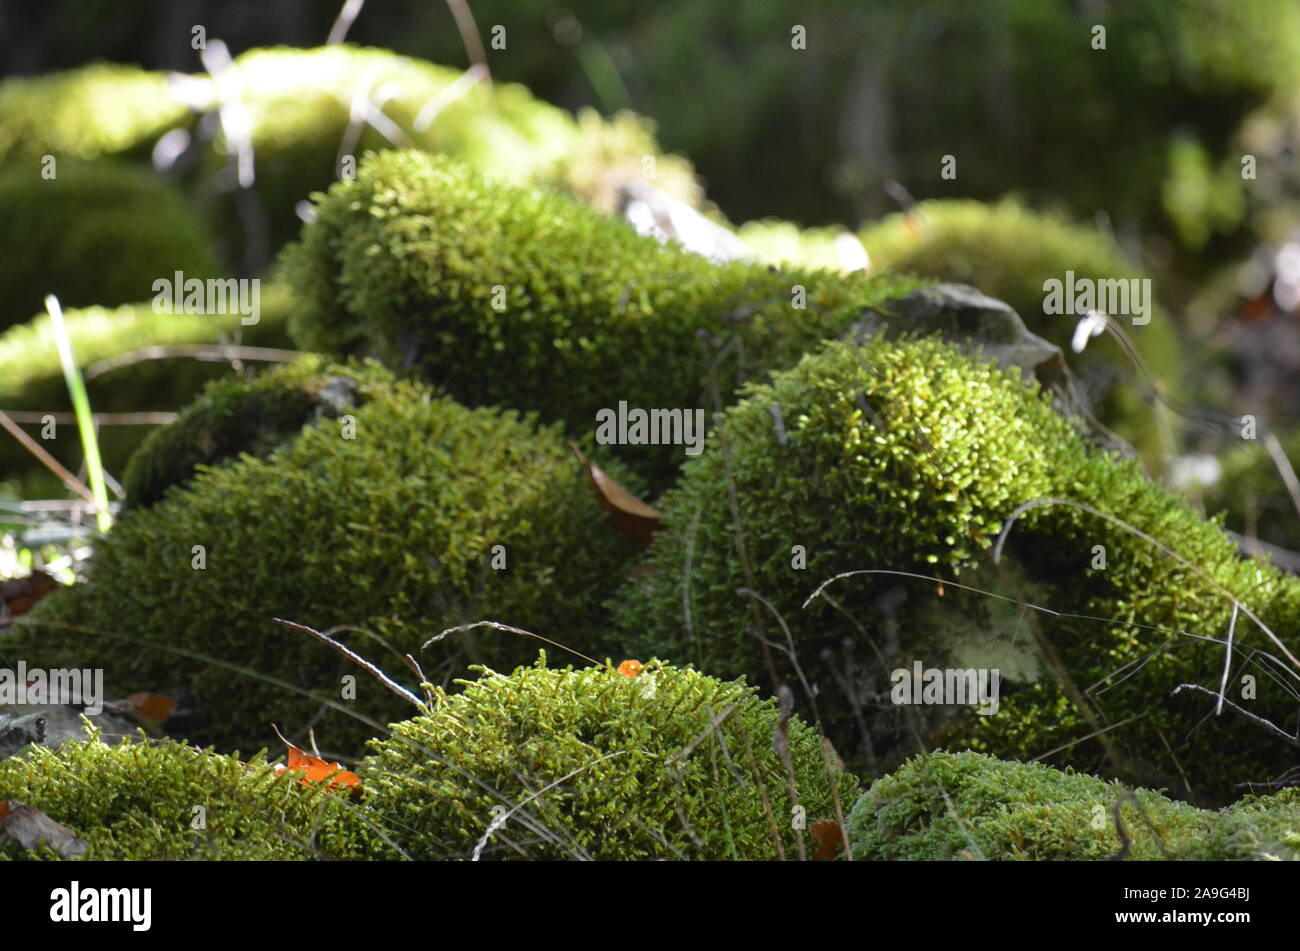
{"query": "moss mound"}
{"type": "Point", "coordinates": [31, 376]}
{"type": "Point", "coordinates": [1008, 252]}
{"type": "Point", "coordinates": [527, 299]}
{"type": "Point", "coordinates": [947, 806]}
{"type": "Point", "coordinates": [100, 110]}
{"type": "Point", "coordinates": [384, 521]}
{"type": "Point", "coordinates": [141, 229]}
{"type": "Point", "coordinates": [137, 801]}
{"type": "Point", "coordinates": [591, 763]}
{"type": "Point", "coordinates": [907, 457]}
{"type": "Point", "coordinates": [234, 416]}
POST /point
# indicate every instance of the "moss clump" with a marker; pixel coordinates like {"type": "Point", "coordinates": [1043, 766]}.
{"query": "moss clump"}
{"type": "Point", "coordinates": [235, 416]}
{"type": "Point", "coordinates": [907, 457]}
{"type": "Point", "coordinates": [1008, 252]}
{"type": "Point", "coordinates": [31, 376]}
{"type": "Point", "coordinates": [387, 523]}
{"type": "Point", "coordinates": [411, 257]}
{"type": "Point", "coordinates": [96, 111]}
{"type": "Point", "coordinates": [136, 802]}
{"type": "Point", "coordinates": [669, 764]}
{"type": "Point", "coordinates": [98, 233]}
{"type": "Point", "coordinates": [947, 806]}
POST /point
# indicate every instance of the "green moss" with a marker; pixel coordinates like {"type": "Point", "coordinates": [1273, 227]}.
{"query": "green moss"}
{"type": "Point", "coordinates": [96, 234]}
{"type": "Point", "coordinates": [908, 457]}
{"type": "Point", "coordinates": [947, 806]}
{"type": "Point", "coordinates": [387, 528]}
{"type": "Point", "coordinates": [92, 112]}
{"type": "Point", "coordinates": [31, 376]}
{"type": "Point", "coordinates": [137, 801]}
{"type": "Point", "coordinates": [233, 417]}
{"type": "Point", "coordinates": [410, 258]}
{"type": "Point", "coordinates": [1008, 252]}
{"type": "Point", "coordinates": [600, 765]}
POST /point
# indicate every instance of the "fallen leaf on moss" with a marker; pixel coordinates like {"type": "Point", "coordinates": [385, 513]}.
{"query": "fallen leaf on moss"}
{"type": "Point", "coordinates": [630, 668]}
{"type": "Point", "coordinates": [30, 827]}
{"type": "Point", "coordinates": [632, 518]}
{"type": "Point", "coordinates": [317, 770]}
{"type": "Point", "coordinates": [828, 837]}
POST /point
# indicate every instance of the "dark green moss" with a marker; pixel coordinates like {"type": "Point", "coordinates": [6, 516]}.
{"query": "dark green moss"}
{"type": "Point", "coordinates": [908, 457]}
{"type": "Point", "coordinates": [526, 298]}
{"type": "Point", "coordinates": [232, 417]}
{"type": "Point", "coordinates": [142, 801]}
{"type": "Point", "coordinates": [1009, 252]}
{"type": "Point", "coordinates": [590, 763]}
{"type": "Point", "coordinates": [947, 806]}
{"type": "Point", "coordinates": [383, 521]}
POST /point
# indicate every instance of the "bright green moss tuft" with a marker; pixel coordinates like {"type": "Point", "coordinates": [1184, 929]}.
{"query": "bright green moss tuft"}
{"type": "Point", "coordinates": [87, 113]}
{"type": "Point", "coordinates": [525, 298]}
{"type": "Point", "coordinates": [947, 806]}
{"type": "Point", "coordinates": [233, 417]}
{"type": "Point", "coordinates": [908, 457]}
{"type": "Point", "coordinates": [31, 376]}
{"type": "Point", "coordinates": [390, 528]}
{"type": "Point", "coordinates": [96, 234]}
{"type": "Point", "coordinates": [136, 802]}
{"type": "Point", "coordinates": [1008, 252]}
{"type": "Point", "coordinates": [600, 765]}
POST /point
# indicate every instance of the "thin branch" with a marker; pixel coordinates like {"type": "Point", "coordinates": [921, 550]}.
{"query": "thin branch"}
{"type": "Point", "coordinates": [199, 351]}
{"type": "Point", "coordinates": [357, 659]}
{"type": "Point", "coordinates": [1258, 721]}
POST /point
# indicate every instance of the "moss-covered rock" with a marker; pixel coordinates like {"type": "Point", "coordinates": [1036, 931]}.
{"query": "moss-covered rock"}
{"type": "Point", "coordinates": [105, 109]}
{"type": "Point", "coordinates": [97, 233]}
{"type": "Point", "coordinates": [946, 806]}
{"type": "Point", "coordinates": [1009, 252]}
{"type": "Point", "coordinates": [233, 416]}
{"type": "Point", "coordinates": [908, 457]}
{"type": "Point", "coordinates": [527, 299]}
{"type": "Point", "coordinates": [138, 801]}
{"type": "Point", "coordinates": [386, 520]}
{"type": "Point", "coordinates": [31, 376]}
{"type": "Point", "coordinates": [668, 764]}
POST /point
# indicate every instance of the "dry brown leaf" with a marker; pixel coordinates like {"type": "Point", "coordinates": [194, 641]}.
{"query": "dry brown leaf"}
{"type": "Point", "coordinates": [633, 518]}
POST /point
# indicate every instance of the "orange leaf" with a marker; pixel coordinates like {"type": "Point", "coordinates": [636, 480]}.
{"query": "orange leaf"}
{"type": "Point", "coordinates": [630, 668]}
{"type": "Point", "coordinates": [316, 770]}
{"type": "Point", "coordinates": [828, 838]}
{"type": "Point", "coordinates": [632, 518]}
{"type": "Point", "coordinates": [152, 705]}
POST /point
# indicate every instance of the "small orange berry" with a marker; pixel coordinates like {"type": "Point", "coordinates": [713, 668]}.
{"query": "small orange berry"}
{"type": "Point", "coordinates": [630, 668]}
